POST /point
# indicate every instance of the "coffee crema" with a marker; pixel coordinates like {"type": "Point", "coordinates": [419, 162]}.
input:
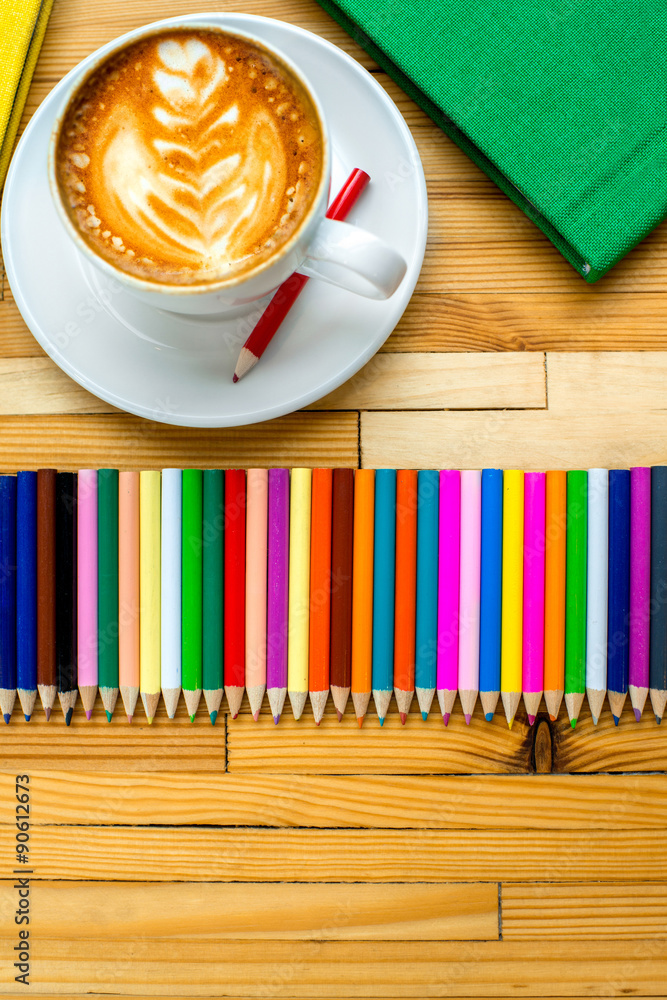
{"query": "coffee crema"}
{"type": "Point", "coordinates": [190, 157]}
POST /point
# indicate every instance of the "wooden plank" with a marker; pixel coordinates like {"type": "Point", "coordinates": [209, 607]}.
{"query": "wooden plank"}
{"type": "Point", "coordinates": [37, 385]}
{"type": "Point", "coordinates": [442, 381]}
{"type": "Point", "coordinates": [630, 747]}
{"type": "Point", "coordinates": [535, 440]}
{"type": "Point", "coordinates": [72, 442]}
{"type": "Point", "coordinates": [589, 910]}
{"type": "Point", "coordinates": [342, 748]}
{"type": "Point", "coordinates": [231, 854]}
{"type": "Point", "coordinates": [628, 381]}
{"type": "Point", "coordinates": [182, 912]}
{"type": "Point", "coordinates": [213, 798]}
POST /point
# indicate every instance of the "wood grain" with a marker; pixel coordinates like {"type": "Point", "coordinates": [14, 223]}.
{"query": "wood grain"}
{"type": "Point", "coordinates": [574, 912]}
{"type": "Point", "coordinates": [626, 382]}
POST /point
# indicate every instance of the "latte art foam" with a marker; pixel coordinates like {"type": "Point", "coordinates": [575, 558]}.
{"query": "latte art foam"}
{"type": "Point", "coordinates": [190, 157]}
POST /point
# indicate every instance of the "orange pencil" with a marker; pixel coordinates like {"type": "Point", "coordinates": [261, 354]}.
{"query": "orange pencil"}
{"type": "Point", "coordinates": [362, 591]}
{"type": "Point", "coordinates": [320, 591]}
{"type": "Point", "coordinates": [406, 589]}
{"type": "Point", "coordinates": [554, 592]}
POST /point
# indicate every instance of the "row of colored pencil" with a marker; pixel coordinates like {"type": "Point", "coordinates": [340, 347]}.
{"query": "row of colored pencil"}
{"type": "Point", "coordinates": [370, 583]}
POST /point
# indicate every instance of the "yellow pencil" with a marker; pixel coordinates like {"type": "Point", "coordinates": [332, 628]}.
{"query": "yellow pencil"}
{"type": "Point", "coordinates": [149, 591]}
{"type": "Point", "coordinates": [512, 600]}
{"type": "Point", "coordinates": [299, 589]}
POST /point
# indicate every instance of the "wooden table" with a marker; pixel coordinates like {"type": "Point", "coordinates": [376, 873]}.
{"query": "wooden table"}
{"type": "Point", "coordinates": [244, 860]}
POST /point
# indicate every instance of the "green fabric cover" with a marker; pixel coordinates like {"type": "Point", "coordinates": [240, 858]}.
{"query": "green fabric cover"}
{"type": "Point", "coordinates": [562, 104]}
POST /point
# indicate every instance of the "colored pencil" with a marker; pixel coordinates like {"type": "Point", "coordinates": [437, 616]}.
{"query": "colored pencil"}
{"type": "Point", "coordinates": [469, 590]}
{"type": "Point", "coordinates": [87, 589]}
{"type": "Point", "coordinates": [533, 591]}
{"type": "Point", "coordinates": [128, 590]}
{"type": "Point", "coordinates": [26, 590]}
{"type": "Point", "coordinates": [149, 591]}
{"type": "Point", "coordinates": [277, 587]}
{"type": "Point", "coordinates": [299, 590]}
{"type": "Point", "coordinates": [213, 569]}
{"type": "Point", "coordinates": [320, 591]}
{"type": "Point", "coordinates": [66, 622]}
{"type": "Point", "coordinates": [171, 588]}
{"type": "Point", "coordinates": [597, 588]}
{"type": "Point", "coordinates": [658, 630]}
{"type": "Point", "coordinates": [491, 589]}
{"type": "Point", "coordinates": [362, 591]}
{"type": "Point", "coordinates": [448, 591]}
{"type": "Point", "coordinates": [618, 634]}
{"type": "Point", "coordinates": [512, 606]}
{"type": "Point", "coordinates": [234, 617]}
{"type": "Point", "coordinates": [107, 583]}
{"type": "Point", "coordinates": [384, 579]}
{"type": "Point", "coordinates": [7, 595]}
{"type": "Point", "coordinates": [289, 291]}
{"type": "Point", "coordinates": [191, 595]}
{"type": "Point", "coordinates": [406, 590]}
{"type": "Point", "coordinates": [256, 583]}
{"type": "Point", "coordinates": [554, 591]}
{"type": "Point", "coordinates": [46, 588]}
{"type": "Point", "coordinates": [342, 547]}
{"type": "Point", "coordinates": [426, 628]}
{"type": "Point", "coordinates": [575, 593]}
{"type": "Point", "coordinates": [640, 587]}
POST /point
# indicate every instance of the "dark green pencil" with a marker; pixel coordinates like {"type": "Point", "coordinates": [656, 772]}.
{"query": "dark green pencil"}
{"type": "Point", "coordinates": [107, 583]}
{"type": "Point", "coordinates": [191, 570]}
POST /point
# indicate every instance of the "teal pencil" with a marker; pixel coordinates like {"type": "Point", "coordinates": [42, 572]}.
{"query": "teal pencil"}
{"type": "Point", "coordinates": [384, 569]}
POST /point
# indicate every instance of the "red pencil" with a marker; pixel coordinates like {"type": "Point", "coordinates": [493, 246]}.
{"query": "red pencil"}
{"type": "Point", "coordinates": [234, 634]}
{"type": "Point", "coordinates": [285, 297]}
{"type": "Point", "coordinates": [341, 587]}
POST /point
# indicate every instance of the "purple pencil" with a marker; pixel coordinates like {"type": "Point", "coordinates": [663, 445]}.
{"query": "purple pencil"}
{"type": "Point", "coordinates": [640, 586]}
{"type": "Point", "coordinates": [277, 590]}
{"type": "Point", "coordinates": [447, 678]}
{"type": "Point", "coordinates": [534, 540]}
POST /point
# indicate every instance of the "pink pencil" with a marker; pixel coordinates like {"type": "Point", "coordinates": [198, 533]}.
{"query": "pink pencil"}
{"type": "Point", "coordinates": [640, 586]}
{"type": "Point", "coordinates": [447, 679]}
{"type": "Point", "coordinates": [87, 588]}
{"type": "Point", "coordinates": [128, 590]}
{"type": "Point", "coordinates": [534, 548]}
{"type": "Point", "coordinates": [257, 485]}
{"type": "Point", "coordinates": [471, 534]}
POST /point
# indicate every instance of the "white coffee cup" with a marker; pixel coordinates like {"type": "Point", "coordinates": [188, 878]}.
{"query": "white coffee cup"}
{"type": "Point", "coordinates": [335, 252]}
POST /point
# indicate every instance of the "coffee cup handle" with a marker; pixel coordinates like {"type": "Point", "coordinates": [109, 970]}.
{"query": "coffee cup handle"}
{"type": "Point", "coordinates": [353, 259]}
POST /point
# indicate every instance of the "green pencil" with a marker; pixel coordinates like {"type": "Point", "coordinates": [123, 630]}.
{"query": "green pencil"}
{"type": "Point", "coordinates": [107, 587]}
{"type": "Point", "coordinates": [191, 615]}
{"type": "Point", "coordinates": [575, 593]}
{"type": "Point", "coordinates": [212, 538]}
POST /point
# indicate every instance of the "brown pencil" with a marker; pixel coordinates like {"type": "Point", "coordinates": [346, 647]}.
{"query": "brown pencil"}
{"type": "Point", "coordinates": [46, 588]}
{"type": "Point", "coordinates": [341, 587]}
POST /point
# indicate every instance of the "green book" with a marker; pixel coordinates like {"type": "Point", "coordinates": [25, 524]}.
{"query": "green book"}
{"type": "Point", "coordinates": [563, 105]}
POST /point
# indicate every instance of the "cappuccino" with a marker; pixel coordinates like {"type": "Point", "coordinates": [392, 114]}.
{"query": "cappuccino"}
{"type": "Point", "coordinates": [190, 157]}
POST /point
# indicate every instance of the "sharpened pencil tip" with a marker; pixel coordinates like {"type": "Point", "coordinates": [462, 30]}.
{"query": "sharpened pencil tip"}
{"type": "Point", "coordinates": [47, 713]}
{"type": "Point", "coordinates": [573, 722]}
{"type": "Point", "coordinates": [595, 719]}
{"type": "Point", "coordinates": [489, 716]}
{"type": "Point", "coordinates": [7, 717]}
{"type": "Point", "coordinates": [255, 716]}
{"type": "Point", "coordinates": [445, 718]}
{"type": "Point", "coordinates": [108, 715]}
{"type": "Point", "coordinates": [638, 713]}
{"type": "Point", "coordinates": [616, 720]}
{"type": "Point", "coordinates": [276, 719]}
{"type": "Point", "coordinates": [360, 721]}
{"type": "Point", "coordinates": [468, 717]}
{"type": "Point", "coordinates": [510, 723]}
{"type": "Point", "coordinates": [382, 721]}
{"type": "Point", "coordinates": [192, 718]}
{"type": "Point", "coordinates": [214, 716]}
{"type": "Point", "coordinates": [424, 716]}
{"type": "Point", "coordinates": [27, 718]}
{"type": "Point", "coordinates": [150, 721]}
{"type": "Point", "coordinates": [235, 377]}
{"type": "Point", "coordinates": [553, 718]}
{"type": "Point", "coordinates": [68, 716]}
{"type": "Point", "coordinates": [403, 717]}
{"type": "Point", "coordinates": [129, 719]}
{"type": "Point", "coordinates": [531, 720]}
{"type": "Point", "coordinates": [658, 719]}
{"type": "Point", "coordinates": [89, 715]}
{"type": "Point", "coordinates": [235, 716]}
{"type": "Point", "coordinates": [339, 715]}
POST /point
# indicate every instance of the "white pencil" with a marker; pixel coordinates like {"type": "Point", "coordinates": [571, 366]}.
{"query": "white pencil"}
{"type": "Point", "coordinates": [597, 583]}
{"type": "Point", "coordinates": [172, 492]}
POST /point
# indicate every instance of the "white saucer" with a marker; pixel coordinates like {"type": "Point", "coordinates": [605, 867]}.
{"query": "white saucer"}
{"type": "Point", "coordinates": [125, 352]}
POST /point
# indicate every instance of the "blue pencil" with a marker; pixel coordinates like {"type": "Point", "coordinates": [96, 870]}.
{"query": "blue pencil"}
{"type": "Point", "coordinates": [426, 642]}
{"type": "Point", "coordinates": [491, 590]}
{"type": "Point", "coordinates": [26, 590]}
{"type": "Point", "coordinates": [384, 571]}
{"type": "Point", "coordinates": [7, 595]}
{"type": "Point", "coordinates": [618, 636]}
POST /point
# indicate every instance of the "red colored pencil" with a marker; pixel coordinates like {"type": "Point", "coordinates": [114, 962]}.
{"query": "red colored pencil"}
{"type": "Point", "coordinates": [285, 297]}
{"type": "Point", "coordinates": [234, 634]}
{"type": "Point", "coordinates": [341, 587]}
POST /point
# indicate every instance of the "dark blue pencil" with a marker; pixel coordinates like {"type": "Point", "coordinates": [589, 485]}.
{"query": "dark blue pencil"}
{"type": "Point", "coordinates": [426, 641]}
{"type": "Point", "coordinates": [658, 605]}
{"type": "Point", "coordinates": [26, 590]}
{"type": "Point", "coordinates": [384, 571]}
{"type": "Point", "coordinates": [7, 595]}
{"type": "Point", "coordinates": [491, 590]}
{"type": "Point", "coordinates": [618, 633]}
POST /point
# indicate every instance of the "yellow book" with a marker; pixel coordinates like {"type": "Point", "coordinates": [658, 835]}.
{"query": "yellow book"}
{"type": "Point", "coordinates": [511, 644]}
{"type": "Point", "coordinates": [299, 589]}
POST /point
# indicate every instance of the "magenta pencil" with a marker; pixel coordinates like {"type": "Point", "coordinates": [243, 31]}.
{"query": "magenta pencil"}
{"type": "Point", "coordinates": [534, 550]}
{"type": "Point", "coordinates": [255, 603]}
{"type": "Point", "coordinates": [277, 590]}
{"type": "Point", "coordinates": [640, 587]}
{"type": "Point", "coordinates": [447, 673]}
{"type": "Point", "coordinates": [469, 592]}
{"type": "Point", "coordinates": [87, 588]}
